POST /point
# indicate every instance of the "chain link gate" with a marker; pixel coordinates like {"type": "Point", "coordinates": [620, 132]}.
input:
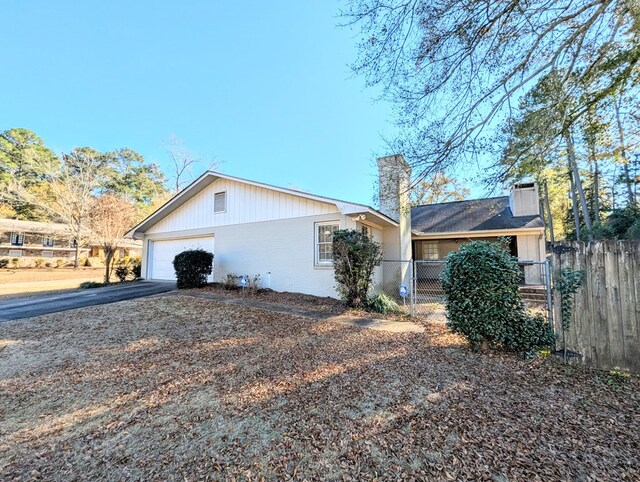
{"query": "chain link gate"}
{"type": "Point", "coordinates": [428, 296]}
{"type": "Point", "coordinates": [535, 286]}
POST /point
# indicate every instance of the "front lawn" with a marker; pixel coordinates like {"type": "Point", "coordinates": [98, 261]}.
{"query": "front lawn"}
{"type": "Point", "coordinates": [22, 275]}
{"type": "Point", "coordinates": [183, 388]}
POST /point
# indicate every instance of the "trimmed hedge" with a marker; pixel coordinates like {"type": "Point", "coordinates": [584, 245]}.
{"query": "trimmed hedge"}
{"type": "Point", "coordinates": [192, 268]}
{"type": "Point", "coordinates": [483, 300]}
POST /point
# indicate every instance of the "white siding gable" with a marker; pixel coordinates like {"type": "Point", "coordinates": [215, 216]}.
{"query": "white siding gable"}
{"type": "Point", "coordinates": [245, 203]}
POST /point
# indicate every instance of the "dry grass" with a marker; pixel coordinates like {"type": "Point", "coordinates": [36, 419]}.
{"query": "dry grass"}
{"type": "Point", "coordinates": [181, 388]}
{"type": "Point", "coordinates": [22, 275]}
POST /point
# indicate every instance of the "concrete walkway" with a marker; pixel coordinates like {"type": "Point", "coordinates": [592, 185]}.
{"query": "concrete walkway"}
{"type": "Point", "coordinates": [361, 322]}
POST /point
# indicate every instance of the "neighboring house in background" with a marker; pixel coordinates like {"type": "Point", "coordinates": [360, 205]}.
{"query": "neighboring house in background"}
{"type": "Point", "coordinates": [34, 239]}
{"type": "Point", "coordinates": [285, 235]}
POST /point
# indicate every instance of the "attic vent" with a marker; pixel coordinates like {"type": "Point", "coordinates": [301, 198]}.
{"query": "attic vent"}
{"type": "Point", "coordinates": [220, 202]}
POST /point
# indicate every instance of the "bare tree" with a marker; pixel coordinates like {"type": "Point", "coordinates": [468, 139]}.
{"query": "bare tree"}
{"type": "Point", "coordinates": [438, 189]}
{"type": "Point", "coordinates": [455, 68]}
{"type": "Point", "coordinates": [111, 218]}
{"type": "Point", "coordinates": [183, 162]}
{"type": "Point", "coordinates": [622, 151]}
{"type": "Point", "coordinates": [67, 194]}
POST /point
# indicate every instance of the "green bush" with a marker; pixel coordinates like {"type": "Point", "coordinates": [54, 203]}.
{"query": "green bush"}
{"type": "Point", "coordinates": [15, 262]}
{"type": "Point", "coordinates": [528, 334]}
{"type": "Point", "coordinates": [192, 268]}
{"type": "Point", "coordinates": [91, 284]}
{"type": "Point", "coordinates": [122, 272]}
{"type": "Point", "coordinates": [355, 256]}
{"type": "Point", "coordinates": [136, 266]}
{"type": "Point", "coordinates": [381, 303]}
{"type": "Point", "coordinates": [59, 262]}
{"type": "Point", "coordinates": [4, 262]}
{"type": "Point", "coordinates": [483, 300]}
{"type": "Point", "coordinates": [38, 262]}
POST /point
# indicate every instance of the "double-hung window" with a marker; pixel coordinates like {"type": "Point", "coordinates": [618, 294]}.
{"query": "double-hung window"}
{"type": "Point", "coordinates": [324, 242]}
{"type": "Point", "coordinates": [47, 241]}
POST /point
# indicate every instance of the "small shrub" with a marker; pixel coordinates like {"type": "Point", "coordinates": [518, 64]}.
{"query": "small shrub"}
{"type": "Point", "coordinates": [91, 284]}
{"type": "Point", "coordinates": [122, 272]}
{"type": "Point", "coordinates": [381, 303]}
{"type": "Point", "coordinates": [15, 262]}
{"type": "Point", "coordinates": [38, 262]}
{"type": "Point", "coordinates": [483, 300]}
{"type": "Point", "coordinates": [355, 256]}
{"type": "Point", "coordinates": [4, 262]}
{"type": "Point", "coordinates": [231, 281]}
{"type": "Point", "coordinates": [48, 264]}
{"type": "Point", "coordinates": [59, 262]}
{"type": "Point", "coordinates": [192, 268]}
{"type": "Point", "coordinates": [253, 282]}
{"type": "Point", "coordinates": [136, 267]}
{"type": "Point", "coordinates": [86, 263]}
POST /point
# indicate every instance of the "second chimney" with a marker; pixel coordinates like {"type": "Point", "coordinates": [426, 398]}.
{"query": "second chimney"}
{"type": "Point", "coordinates": [524, 199]}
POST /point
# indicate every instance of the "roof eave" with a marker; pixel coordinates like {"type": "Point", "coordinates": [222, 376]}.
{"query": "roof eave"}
{"type": "Point", "coordinates": [210, 176]}
{"type": "Point", "coordinates": [479, 233]}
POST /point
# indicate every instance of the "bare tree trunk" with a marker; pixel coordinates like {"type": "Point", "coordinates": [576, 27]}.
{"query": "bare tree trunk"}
{"type": "Point", "coordinates": [623, 152]}
{"type": "Point", "coordinates": [108, 257]}
{"type": "Point", "coordinates": [596, 191]}
{"type": "Point", "coordinates": [574, 205]}
{"type": "Point", "coordinates": [76, 262]}
{"type": "Point", "coordinates": [571, 155]}
{"type": "Point", "coordinates": [549, 217]}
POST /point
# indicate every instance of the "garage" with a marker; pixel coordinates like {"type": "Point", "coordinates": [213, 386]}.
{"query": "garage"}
{"type": "Point", "coordinates": [162, 252]}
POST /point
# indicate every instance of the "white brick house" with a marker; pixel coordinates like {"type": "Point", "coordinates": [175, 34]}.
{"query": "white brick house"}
{"type": "Point", "coordinates": [281, 234]}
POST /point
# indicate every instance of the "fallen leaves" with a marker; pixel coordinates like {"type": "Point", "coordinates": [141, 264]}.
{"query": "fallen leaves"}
{"type": "Point", "coordinates": [183, 388]}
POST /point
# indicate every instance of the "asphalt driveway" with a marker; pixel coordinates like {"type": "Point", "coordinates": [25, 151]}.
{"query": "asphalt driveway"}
{"type": "Point", "coordinates": [29, 306]}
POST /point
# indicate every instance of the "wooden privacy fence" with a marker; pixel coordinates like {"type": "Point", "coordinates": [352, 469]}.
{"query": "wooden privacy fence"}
{"type": "Point", "coordinates": [605, 325]}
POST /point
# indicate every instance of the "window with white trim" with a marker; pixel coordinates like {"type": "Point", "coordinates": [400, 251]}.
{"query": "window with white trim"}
{"type": "Point", "coordinates": [220, 202]}
{"type": "Point", "coordinates": [365, 230]}
{"type": "Point", "coordinates": [430, 251]}
{"type": "Point", "coordinates": [47, 241]}
{"type": "Point", "coordinates": [324, 242]}
{"type": "Point", "coordinates": [17, 239]}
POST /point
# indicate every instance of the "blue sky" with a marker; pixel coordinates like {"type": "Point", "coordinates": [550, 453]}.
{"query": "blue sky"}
{"type": "Point", "coordinates": [262, 86]}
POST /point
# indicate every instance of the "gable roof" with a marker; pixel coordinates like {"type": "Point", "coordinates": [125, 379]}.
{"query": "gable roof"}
{"type": "Point", "coordinates": [473, 215]}
{"type": "Point", "coordinates": [209, 177]}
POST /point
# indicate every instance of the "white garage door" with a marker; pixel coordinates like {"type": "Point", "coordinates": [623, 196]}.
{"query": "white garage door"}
{"type": "Point", "coordinates": [162, 252]}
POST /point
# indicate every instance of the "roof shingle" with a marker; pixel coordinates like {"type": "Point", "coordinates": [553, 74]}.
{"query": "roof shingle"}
{"type": "Point", "coordinates": [474, 215]}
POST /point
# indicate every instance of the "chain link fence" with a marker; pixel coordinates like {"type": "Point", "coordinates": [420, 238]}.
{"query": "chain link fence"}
{"type": "Point", "coordinates": [428, 295]}
{"type": "Point", "coordinates": [397, 274]}
{"type": "Point", "coordinates": [425, 296]}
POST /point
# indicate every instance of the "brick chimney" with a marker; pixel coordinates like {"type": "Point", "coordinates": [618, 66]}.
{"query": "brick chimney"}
{"type": "Point", "coordinates": [394, 180]}
{"type": "Point", "coordinates": [524, 199]}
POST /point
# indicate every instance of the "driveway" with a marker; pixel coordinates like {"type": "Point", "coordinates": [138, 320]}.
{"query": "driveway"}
{"type": "Point", "coordinates": [28, 306]}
